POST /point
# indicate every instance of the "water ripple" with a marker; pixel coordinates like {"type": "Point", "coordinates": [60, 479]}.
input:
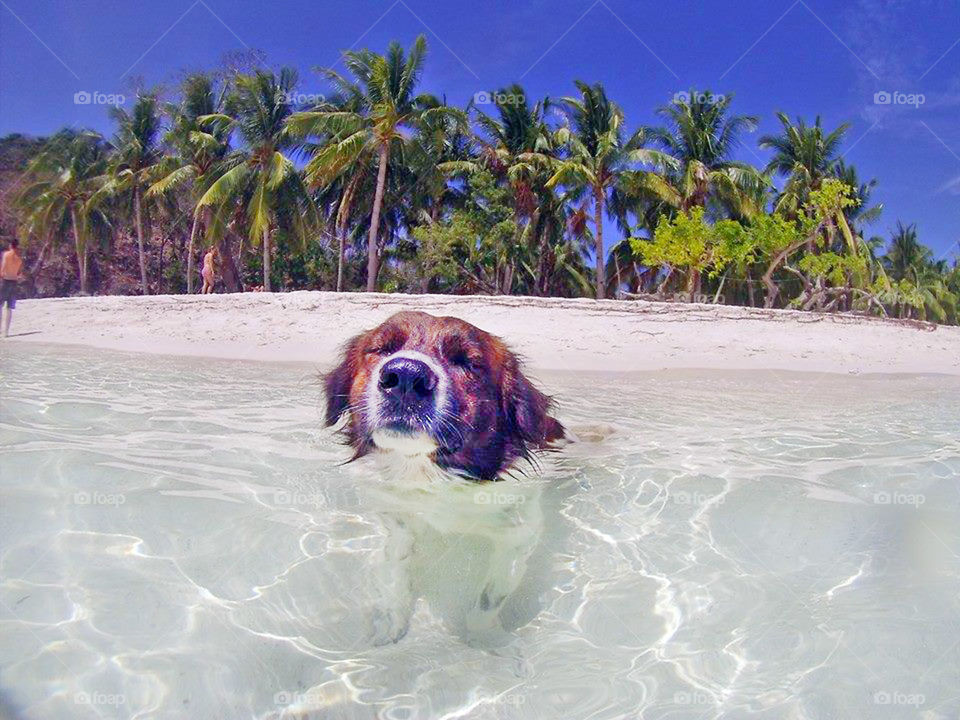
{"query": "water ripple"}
{"type": "Point", "coordinates": [179, 539]}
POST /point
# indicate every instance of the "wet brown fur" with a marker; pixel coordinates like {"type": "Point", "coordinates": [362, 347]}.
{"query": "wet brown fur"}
{"type": "Point", "coordinates": [496, 414]}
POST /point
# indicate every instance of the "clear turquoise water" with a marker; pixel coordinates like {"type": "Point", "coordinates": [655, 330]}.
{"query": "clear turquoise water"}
{"type": "Point", "coordinates": [178, 540]}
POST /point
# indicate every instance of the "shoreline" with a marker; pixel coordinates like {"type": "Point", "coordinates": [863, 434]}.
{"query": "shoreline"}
{"type": "Point", "coordinates": [549, 333]}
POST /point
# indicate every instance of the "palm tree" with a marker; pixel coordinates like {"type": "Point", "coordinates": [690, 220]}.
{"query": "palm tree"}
{"type": "Point", "coordinates": [519, 149]}
{"type": "Point", "coordinates": [382, 109]}
{"type": "Point", "coordinates": [261, 184]}
{"type": "Point", "coordinates": [906, 256]}
{"type": "Point", "coordinates": [564, 248]}
{"type": "Point", "coordinates": [598, 155]}
{"type": "Point", "coordinates": [418, 167]}
{"type": "Point", "coordinates": [338, 185]}
{"type": "Point", "coordinates": [137, 152]}
{"type": "Point", "coordinates": [862, 213]}
{"type": "Point", "coordinates": [696, 167]}
{"type": "Point", "coordinates": [341, 196]}
{"type": "Point", "coordinates": [200, 148]}
{"type": "Point", "coordinates": [442, 140]}
{"type": "Point", "coordinates": [62, 180]}
{"type": "Point", "coordinates": [940, 302]}
{"type": "Point", "coordinates": [701, 136]}
{"type": "Point", "coordinates": [805, 154]}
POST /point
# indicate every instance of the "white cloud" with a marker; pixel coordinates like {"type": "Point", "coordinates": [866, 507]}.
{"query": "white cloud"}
{"type": "Point", "coordinates": [951, 186]}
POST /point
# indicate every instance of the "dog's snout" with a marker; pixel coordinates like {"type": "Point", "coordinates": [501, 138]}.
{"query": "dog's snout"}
{"type": "Point", "coordinates": [407, 377]}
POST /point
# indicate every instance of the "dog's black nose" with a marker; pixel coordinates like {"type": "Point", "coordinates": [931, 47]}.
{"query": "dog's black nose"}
{"type": "Point", "coordinates": [405, 377]}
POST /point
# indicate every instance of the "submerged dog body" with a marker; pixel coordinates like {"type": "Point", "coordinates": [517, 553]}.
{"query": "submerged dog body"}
{"type": "Point", "coordinates": [441, 403]}
{"type": "Point", "coordinates": [463, 548]}
{"type": "Point", "coordinates": [441, 391]}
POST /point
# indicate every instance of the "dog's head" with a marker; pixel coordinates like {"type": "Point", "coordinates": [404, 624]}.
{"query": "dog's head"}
{"type": "Point", "coordinates": [441, 387]}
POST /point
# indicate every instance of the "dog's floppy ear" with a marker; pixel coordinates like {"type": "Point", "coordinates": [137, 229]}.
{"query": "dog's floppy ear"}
{"type": "Point", "coordinates": [337, 384]}
{"type": "Point", "coordinates": [527, 409]}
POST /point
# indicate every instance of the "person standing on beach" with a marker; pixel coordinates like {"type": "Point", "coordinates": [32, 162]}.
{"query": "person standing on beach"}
{"type": "Point", "coordinates": [11, 272]}
{"type": "Point", "coordinates": [207, 271]}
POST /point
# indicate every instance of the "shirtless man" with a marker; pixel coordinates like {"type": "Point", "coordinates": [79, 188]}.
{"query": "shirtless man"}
{"type": "Point", "coordinates": [11, 272]}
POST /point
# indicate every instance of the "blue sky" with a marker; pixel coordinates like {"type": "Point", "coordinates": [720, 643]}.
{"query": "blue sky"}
{"type": "Point", "coordinates": [805, 57]}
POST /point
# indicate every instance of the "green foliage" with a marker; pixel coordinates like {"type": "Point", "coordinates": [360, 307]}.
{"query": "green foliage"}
{"type": "Point", "coordinates": [470, 249]}
{"type": "Point", "coordinates": [768, 235]}
{"type": "Point", "coordinates": [309, 267]}
{"type": "Point", "coordinates": [688, 242]}
{"type": "Point", "coordinates": [833, 268]}
{"type": "Point", "coordinates": [832, 196]}
{"type": "Point", "coordinates": [683, 242]}
{"type": "Point", "coordinates": [57, 195]}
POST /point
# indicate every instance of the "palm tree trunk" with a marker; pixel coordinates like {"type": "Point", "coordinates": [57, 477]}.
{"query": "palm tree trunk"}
{"type": "Point", "coordinates": [163, 246]}
{"type": "Point", "coordinates": [81, 248]}
{"type": "Point", "coordinates": [38, 263]}
{"type": "Point", "coordinates": [598, 222]}
{"type": "Point", "coordinates": [266, 260]}
{"type": "Point", "coordinates": [229, 272]}
{"type": "Point", "coordinates": [193, 235]}
{"type": "Point", "coordinates": [694, 282]}
{"type": "Point", "coordinates": [542, 265]}
{"type": "Point", "coordinates": [373, 260]}
{"type": "Point", "coordinates": [543, 248]}
{"type": "Point", "coordinates": [500, 281]}
{"type": "Point", "coordinates": [143, 255]}
{"type": "Point", "coordinates": [616, 260]}
{"type": "Point", "coordinates": [343, 218]}
{"type": "Point", "coordinates": [340, 254]}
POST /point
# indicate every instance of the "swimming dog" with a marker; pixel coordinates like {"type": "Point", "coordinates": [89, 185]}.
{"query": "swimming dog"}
{"type": "Point", "coordinates": [444, 407]}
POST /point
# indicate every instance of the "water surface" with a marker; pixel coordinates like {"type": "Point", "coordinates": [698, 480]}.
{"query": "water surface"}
{"type": "Point", "coordinates": [179, 540]}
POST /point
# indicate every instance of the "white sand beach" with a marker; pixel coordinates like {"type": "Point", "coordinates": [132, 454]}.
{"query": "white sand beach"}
{"type": "Point", "coordinates": [550, 333]}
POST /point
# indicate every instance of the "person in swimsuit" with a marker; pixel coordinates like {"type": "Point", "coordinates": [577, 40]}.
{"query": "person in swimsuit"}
{"type": "Point", "coordinates": [11, 272]}
{"type": "Point", "coordinates": [207, 271]}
